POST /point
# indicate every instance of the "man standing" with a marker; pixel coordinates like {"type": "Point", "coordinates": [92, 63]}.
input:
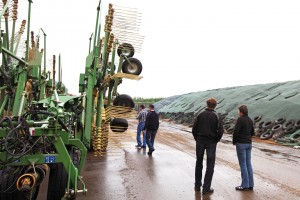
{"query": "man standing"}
{"type": "Point", "coordinates": [142, 118]}
{"type": "Point", "coordinates": [151, 127]}
{"type": "Point", "coordinates": [207, 131]}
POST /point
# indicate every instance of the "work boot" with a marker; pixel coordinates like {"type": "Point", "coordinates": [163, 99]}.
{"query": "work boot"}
{"type": "Point", "coordinates": [209, 191]}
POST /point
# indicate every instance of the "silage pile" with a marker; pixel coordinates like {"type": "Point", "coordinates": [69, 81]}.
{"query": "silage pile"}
{"type": "Point", "coordinates": [271, 105]}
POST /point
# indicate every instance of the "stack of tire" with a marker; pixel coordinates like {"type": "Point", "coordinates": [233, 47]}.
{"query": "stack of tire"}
{"type": "Point", "coordinates": [271, 129]}
{"type": "Point", "coordinates": [129, 66]}
{"type": "Point", "coordinates": [228, 124]}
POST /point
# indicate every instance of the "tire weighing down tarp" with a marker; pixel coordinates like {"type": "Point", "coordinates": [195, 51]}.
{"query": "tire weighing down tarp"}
{"type": "Point", "coordinates": [271, 101]}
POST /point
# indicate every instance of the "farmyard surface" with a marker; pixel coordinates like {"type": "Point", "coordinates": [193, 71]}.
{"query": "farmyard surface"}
{"type": "Point", "coordinates": [129, 173]}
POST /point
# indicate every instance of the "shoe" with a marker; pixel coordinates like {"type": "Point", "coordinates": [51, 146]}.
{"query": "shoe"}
{"type": "Point", "coordinates": [250, 188]}
{"type": "Point", "coordinates": [197, 188]}
{"type": "Point", "coordinates": [150, 153]}
{"type": "Point", "coordinates": [138, 146]}
{"type": "Point", "coordinates": [144, 147]}
{"type": "Point", "coordinates": [241, 188]}
{"type": "Point", "coordinates": [211, 190]}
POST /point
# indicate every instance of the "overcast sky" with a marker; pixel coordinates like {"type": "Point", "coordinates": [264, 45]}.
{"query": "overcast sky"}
{"type": "Point", "coordinates": [189, 46]}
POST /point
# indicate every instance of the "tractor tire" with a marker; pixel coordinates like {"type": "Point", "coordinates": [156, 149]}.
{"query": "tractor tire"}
{"type": "Point", "coordinates": [8, 189]}
{"type": "Point", "coordinates": [290, 130]}
{"type": "Point", "coordinates": [124, 100]}
{"type": "Point", "coordinates": [297, 124]}
{"type": "Point", "coordinates": [266, 135]}
{"type": "Point", "coordinates": [268, 125]}
{"type": "Point", "coordinates": [260, 124]}
{"type": "Point", "coordinates": [280, 121]}
{"type": "Point", "coordinates": [257, 119]}
{"type": "Point", "coordinates": [259, 132]}
{"type": "Point", "coordinates": [135, 67]}
{"type": "Point", "coordinates": [288, 124]}
{"type": "Point", "coordinates": [58, 178]}
{"type": "Point", "coordinates": [119, 125]}
{"type": "Point", "coordinates": [278, 134]}
{"type": "Point", "coordinates": [277, 128]}
{"type": "Point", "coordinates": [125, 49]}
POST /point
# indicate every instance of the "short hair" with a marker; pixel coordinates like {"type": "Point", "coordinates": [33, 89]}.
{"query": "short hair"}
{"type": "Point", "coordinates": [211, 103]}
{"type": "Point", "coordinates": [244, 110]}
{"type": "Point", "coordinates": [142, 106]}
{"type": "Point", "coordinates": [151, 106]}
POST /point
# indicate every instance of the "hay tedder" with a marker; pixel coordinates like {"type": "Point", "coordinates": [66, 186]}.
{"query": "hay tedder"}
{"type": "Point", "coordinates": [45, 133]}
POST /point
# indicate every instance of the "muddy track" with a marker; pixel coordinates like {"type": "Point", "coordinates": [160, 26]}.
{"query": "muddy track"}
{"type": "Point", "coordinates": [169, 173]}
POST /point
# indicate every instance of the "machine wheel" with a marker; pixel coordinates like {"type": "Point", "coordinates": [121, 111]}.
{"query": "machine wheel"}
{"type": "Point", "coordinates": [126, 49]}
{"type": "Point", "coordinates": [134, 67]}
{"type": "Point", "coordinates": [8, 189]}
{"type": "Point", "coordinates": [124, 100]}
{"type": "Point", "coordinates": [58, 178]}
{"type": "Point", "coordinates": [119, 125]}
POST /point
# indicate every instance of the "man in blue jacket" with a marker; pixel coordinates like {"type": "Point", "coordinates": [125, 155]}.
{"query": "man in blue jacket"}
{"type": "Point", "coordinates": [207, 131]}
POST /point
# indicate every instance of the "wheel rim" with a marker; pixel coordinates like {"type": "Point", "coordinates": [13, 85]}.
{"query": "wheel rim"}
{"type": "Point", "coordinates": [126, 51]}
{"type": "Point", "coordinates": [132, 68]}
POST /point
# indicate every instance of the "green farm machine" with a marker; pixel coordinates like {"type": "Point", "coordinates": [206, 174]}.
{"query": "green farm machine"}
{"type": "Point", "coordinates": [45, 133]}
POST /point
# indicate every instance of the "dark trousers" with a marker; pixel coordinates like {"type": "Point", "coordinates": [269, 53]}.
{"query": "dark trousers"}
{"type": "Point", "coordinates": [210, 164]}
{"type": "Point", "coordinates": [150, 136]}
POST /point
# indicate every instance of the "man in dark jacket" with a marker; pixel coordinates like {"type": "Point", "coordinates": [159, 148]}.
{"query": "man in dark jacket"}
{"type": "Point", "coordinates": [207, 131]}
{"type": "Point", "coordinates": [151, 127]}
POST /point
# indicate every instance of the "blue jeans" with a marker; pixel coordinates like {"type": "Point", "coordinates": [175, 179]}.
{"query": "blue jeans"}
{"type": "Point", "coordinates": [210, 164]}
{"type": "Point", "coordinates": [243, 152]}
{"type": "Point", "coordinates": [138, 134]}
{"type": "Point", "coordinates": [150, 136]}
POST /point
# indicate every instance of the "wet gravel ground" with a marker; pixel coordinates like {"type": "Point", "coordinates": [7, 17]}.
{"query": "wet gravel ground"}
{"type": "Point", "coordinates": [129, 173]}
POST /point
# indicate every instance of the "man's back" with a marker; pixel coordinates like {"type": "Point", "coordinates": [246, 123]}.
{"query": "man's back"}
{"type": "Point", "coordinates": [152, 121]}
{"type": "Point", "coordinates": [207, 127]}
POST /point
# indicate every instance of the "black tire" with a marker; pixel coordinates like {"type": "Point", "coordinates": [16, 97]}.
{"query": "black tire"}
{"type": "Point", "coordinates": [268, 125]}
{"type": "Point", "coordinates": [295, 136]}
{"type": "Point", "coordinates": [58, 181]}
{"type": "Point", "coordinates": [119, 125]}
{"type": "Point", "coordinates": [297, 124]}
{"type": "Point", "coordinates": [266, 135]}
{"type": "Point", "coordinates": [226, 126]}
{"type": "Point", "coordinates": [290, 130]}
{"type": "Point", "coordinates": [278, 134]}
{"type": "Point", "coordinates": [288, 123]}
{"type": "Point", "coordinates": [124, 100]}
{"type": "Point", "coordinates": [126, 49]}
{"type": "Point", "coordinates": [58, 178]}
{"type": "Point", "coordinates": [280, 120]}
{"type": "Point", "coordinates": [257, 119]}
{"type": "Point", "coordinates": [259, 132]}
{"type": "Point", "coordinates": [134, 67]}
{"type": "Point", "coordinates": [260, 124]}
{"type": "Point", "coordinates": [8, 189]}
{"type": "Point", "coordinates": [277, 128]}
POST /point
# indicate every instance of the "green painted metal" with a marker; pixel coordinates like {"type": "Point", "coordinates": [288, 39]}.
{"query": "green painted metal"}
{"type": "Point", "coordinates": [12, 36]}
{"type": "Point", "coordinates": [62, 122]}
{"type": "Point", "coordinates": [112, 72]}
{"type": "Point", "coordinates": [118, 79]}
{"type": "Point", "coordinates": [3, 105]}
